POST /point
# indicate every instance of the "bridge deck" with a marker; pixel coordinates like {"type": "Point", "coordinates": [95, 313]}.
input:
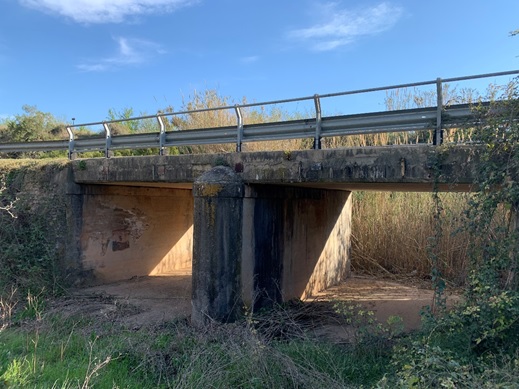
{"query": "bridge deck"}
{"type": "Point", "coordinates": [395, 168]}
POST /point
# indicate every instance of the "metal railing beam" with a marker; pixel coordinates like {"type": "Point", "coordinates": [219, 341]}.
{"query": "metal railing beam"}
{"type": "Point", "coordinates": [433, 118]}
{"type": "Point", "coordinates": [370, 123]}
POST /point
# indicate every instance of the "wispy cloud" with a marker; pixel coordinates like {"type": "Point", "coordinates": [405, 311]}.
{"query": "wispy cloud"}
{"type": "Point", "coordinates": [105, 11]}
{"type": "Point", "coordinates": [250, 59]}
{"type": "Point", "coordinates": [129, 52]}
{"type": "Point", "coordinates": [343, 26]}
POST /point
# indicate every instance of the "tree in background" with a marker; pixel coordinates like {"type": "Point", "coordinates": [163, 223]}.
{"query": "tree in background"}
{"type": "Point", "coordinates": [125, 127]}
{"type": "Point", "coordinates": [33, 125]}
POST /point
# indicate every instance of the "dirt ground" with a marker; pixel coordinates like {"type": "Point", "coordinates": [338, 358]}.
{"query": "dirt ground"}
{"type": "Point", "coordinates": [148, 301]}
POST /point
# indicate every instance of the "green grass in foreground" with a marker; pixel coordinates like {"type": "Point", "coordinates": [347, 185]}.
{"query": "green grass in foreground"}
{"type": "Point", "coordinates": [55, 352]}
{"type": "Point", "coordinates": [270, 350]}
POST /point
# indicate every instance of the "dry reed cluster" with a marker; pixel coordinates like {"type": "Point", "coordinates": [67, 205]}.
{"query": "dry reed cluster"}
{"type": "Point", "coordinates": [392, 234]}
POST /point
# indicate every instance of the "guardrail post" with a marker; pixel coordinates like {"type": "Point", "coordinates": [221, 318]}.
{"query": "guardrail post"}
{"type": "Point", "coordinates": [239, 138]}
{"type": "Point", "coordinates": [162, 136]}
{"type": "Point", "coordinates": [71, 153]}
{"type": "Point", "coordinates": [438, 133]}
{"type": "Point", "coordinates": [108, 143]}
{"type": "Point", "coordinates": [318, 119]}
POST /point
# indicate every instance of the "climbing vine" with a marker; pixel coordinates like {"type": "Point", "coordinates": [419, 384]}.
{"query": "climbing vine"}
{"type": "Point", "coordinates": [32, 229]}
{"type": "Point", "coordinates": [493, 214]}
{"type": "Point", "coordinates": [478, 337]}
{"type": "Point", "coordinates": [489, 318]}
{"type": "Point", "coordinates": [439, 301]}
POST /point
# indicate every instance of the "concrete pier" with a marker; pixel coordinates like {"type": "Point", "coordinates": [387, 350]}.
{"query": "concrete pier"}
{"type": "Point", "coordinates": [217, 250]}
{"type": "Point", "coordinates": [256, 245]}
{"type": "Point", "coordinates": [296, 241]}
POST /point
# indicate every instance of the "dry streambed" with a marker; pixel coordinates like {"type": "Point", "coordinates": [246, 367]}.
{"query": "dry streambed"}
{"type": "Point", "coordinates": [149, 301]}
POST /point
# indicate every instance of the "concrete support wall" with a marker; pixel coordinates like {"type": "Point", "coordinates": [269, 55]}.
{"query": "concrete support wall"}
{"type": "Point", "coordinates": [296, 242]}
{"type": "Point", "coordinates": [263, 244]}
{"type": "Point", "coordinates": [317, 242]}
{"type": "Point", "coordinates": [133, 231]}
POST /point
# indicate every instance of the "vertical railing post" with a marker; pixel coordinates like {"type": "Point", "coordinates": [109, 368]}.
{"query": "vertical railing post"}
{"type": "Point", "coordinates": [162, 135]}
{"type": "Point", "coordinates": [239, 137]}
{"type": "Point", "coordinates": [71, 154]}
{"type": "Point", "coordinates": [438, 133]}
{"type": "Point", "coordinates": [318, 119]}
{"type": "Point", "coordinates": [108, 143]}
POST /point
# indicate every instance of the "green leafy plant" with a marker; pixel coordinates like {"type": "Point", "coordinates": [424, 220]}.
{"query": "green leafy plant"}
{"type": "Point", "coordinates": [364, 323]}
{"type": "Point", "coordinates": [479, 337]}
{"type": "Point", "coordinates": [17, 373]}
{"type": "Point", "coordinates": [32, 229]}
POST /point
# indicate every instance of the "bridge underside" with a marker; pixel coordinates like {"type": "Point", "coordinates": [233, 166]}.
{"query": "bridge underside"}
{"type": "Point", "coordinates": [268, 244]}
{"type": "Point", "coordinates": [135, 231]}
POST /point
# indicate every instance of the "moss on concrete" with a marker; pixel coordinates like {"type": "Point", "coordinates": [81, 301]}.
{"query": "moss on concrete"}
{"type": "Point", "coordinates": [34, 238]}
{"type": "Point", "coordinates": [210, 190]}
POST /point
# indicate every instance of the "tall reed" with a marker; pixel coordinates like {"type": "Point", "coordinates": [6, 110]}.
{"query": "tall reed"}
{"type": "Point", "coordinates": [392, 234]}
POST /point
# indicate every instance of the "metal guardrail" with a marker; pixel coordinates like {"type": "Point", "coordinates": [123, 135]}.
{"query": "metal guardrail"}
{"type": "Point", "coordinates": [432, 118]}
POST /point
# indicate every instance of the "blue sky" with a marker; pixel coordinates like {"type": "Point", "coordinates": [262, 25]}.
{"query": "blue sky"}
{"type": "Point", "coordinates": [80, 58]}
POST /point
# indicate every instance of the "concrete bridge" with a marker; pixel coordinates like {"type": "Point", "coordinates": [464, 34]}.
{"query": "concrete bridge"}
{"type": "Point", "coordinates": [256, 228]}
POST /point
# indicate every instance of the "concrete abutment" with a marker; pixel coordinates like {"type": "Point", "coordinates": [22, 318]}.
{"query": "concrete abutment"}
{"type": "Point", "coordinates": [134, 231]}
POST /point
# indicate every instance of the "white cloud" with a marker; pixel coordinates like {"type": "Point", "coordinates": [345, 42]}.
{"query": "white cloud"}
{"type": "Point", "coordinates": [105, 11]}
{"type": "Point", "coordinates": [129, 52]}
{"type": "Point", "coordinates": [343, 26]}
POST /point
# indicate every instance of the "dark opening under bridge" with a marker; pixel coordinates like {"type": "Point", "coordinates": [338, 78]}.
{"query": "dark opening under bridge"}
{"type": "Point", "coordinates": [257, 227]}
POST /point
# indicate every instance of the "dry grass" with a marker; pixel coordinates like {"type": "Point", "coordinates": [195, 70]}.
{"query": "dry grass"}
{"type": "Point", "coordinates": [294, 319]}
{"type": "Point", "coordinates": [392, 232]}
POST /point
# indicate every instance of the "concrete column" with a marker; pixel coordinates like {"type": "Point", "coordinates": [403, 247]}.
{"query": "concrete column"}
{"type": "Point", "coordinates": [217, 246]}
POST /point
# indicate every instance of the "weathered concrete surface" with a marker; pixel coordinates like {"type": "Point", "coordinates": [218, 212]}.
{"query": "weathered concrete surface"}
{"type": "Point", "coordinates": [296, 242]}
{"type": "Point", "coordinates": [217, 253]}
{"type": "Point", "coordinates": [263, 244]}
{"type": "Point", "coordinates": [266, 226]}
{"type": "Point", "coordinates": [317, 243]}
{"type": "Point", "coordinates": [131, 231]}
{"type": "Point", "coordinates": [405, 168]}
